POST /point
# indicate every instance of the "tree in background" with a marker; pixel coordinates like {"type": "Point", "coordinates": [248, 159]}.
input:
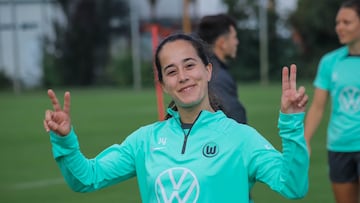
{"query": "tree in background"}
{"type": "Point", "coordinates": [152, 9]}
{"type": "Point", "coordinates": [280, 49]}
{"type": "Point", "coordinates": [78, 54]}
{"type": "Point", "coordinates": [312, 25]}
{"type": "Point", "coordinates": [80, 50]}
{"type": "Point", "coordinates": [314, 31]}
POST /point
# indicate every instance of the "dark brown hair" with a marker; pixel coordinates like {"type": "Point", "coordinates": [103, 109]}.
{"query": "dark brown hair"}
{"type": "Point", "coordinates": [212, 27]}
{"type": "Point", "coordinates": [353, 4]}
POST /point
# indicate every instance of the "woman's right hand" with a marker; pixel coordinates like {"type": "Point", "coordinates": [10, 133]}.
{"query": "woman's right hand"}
{"type": "Point", "coordinates": [58, 120]}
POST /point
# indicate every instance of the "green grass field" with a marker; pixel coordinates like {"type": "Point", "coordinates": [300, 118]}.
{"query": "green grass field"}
{"type": "Point", "coordinates": [105, 116]}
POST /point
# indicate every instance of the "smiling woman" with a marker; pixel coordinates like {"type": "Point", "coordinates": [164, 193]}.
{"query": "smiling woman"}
{"type": "Point", "coordinates": [197, 154]}
{"type": "Point", "coordinates": [185, 76]}
{"type": "Point", "coordinates": [337, 80]}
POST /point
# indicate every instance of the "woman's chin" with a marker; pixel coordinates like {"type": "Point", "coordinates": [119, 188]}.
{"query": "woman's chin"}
{"type": "Point", "coordinates": [188, 104]}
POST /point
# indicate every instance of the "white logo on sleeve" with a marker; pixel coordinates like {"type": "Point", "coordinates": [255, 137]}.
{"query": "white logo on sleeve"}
{"type": "Point", "coordinates": [267, 146]}
{"type": "Point", "coordinates": [177, 185]}
{"type": "Point", "coordinates": [162, 141]}
{"type": "Point", "coordinates": [157, 148]}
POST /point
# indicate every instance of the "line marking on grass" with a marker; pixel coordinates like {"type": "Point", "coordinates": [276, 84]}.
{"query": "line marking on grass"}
{"type": "Point", "coordinates": [39, 183]}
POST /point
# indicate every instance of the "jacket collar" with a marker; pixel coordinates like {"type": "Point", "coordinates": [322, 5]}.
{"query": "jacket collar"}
{"type": "Point", "coordinates": [205, 117]}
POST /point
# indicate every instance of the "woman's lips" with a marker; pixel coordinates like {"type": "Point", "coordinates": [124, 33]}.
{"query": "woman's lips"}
{"type": "Point", "coordinates": [187, 88]}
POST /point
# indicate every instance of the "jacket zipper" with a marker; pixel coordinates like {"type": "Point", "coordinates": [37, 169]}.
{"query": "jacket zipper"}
{"type": "Point", "coordinates": [186, 135]}
{"type": "Point", "coordinates": [185, 141]}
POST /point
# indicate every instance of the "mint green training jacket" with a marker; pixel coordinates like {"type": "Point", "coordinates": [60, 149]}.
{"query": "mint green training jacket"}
{"type": "Point", "coordinates": [217, 160]}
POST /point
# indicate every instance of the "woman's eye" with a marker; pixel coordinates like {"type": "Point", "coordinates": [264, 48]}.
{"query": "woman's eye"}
{"type": "Point", "coordinates": [170, 72]}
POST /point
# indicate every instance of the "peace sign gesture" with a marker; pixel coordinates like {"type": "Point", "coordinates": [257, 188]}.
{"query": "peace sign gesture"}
{"type": "Point", "coordinates": [58, 120]}
{"type": "Point", "coordinates": [292, 100]}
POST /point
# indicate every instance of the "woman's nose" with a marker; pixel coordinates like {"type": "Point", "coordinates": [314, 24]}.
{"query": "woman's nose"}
{"type": "Point", "coordinates": [183, 75]}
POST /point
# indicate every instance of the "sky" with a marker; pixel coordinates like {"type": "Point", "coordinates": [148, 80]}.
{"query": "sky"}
{"type": "Point", "coordinates": [203, 7]}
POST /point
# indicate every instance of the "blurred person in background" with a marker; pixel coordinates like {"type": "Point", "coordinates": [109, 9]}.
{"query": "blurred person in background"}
{"type": "Point", "coordinates": [338, 81]}
{"type": "Point", "coordinates": [219, 31]}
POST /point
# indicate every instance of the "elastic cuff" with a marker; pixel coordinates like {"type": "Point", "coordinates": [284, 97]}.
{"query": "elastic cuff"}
{"type": "Point", "coordinates": [62, 145]}
{"type": "Point", "coordinates": [291, 122]}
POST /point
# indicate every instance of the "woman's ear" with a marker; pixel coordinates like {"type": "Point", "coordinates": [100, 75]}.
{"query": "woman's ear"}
{"type": "Point", "coordinates": [163, 88]}
{"type": "Point", "coordinates": [209, 70]}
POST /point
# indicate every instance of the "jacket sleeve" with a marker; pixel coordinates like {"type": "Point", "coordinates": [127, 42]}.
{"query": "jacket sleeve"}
{"type": "Point", "coordinates": [113, 165]}
{"type": "Point", "coordinates": [286, 172]}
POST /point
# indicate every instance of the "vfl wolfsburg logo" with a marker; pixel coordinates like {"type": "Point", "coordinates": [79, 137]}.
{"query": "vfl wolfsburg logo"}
{"type": "Point", "coordinates": [210, 149]}
{"type": "Point", "coordinates": [349, 99]}
{"type": "Point", "coordinates": [177, 185]}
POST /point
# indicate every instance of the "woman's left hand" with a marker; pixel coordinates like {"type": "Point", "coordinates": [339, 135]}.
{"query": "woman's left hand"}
{"type": "Point", "coordinates": [292, 100]}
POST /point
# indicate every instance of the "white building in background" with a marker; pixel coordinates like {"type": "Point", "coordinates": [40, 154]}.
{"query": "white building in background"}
{"type": "Point", "coordinates": [24, 22]}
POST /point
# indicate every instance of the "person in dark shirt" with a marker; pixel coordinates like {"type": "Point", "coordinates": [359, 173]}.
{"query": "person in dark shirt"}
{"type": "Point", "coordinates": [219, 31]}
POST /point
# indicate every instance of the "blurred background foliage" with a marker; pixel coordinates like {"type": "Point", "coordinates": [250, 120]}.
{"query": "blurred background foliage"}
{"type": "Point", "coordinates": [5, 82]}
{"type": "Point", "coordinates": [80, 55]}
{"type": "Point", "coordinates": [312, 34]}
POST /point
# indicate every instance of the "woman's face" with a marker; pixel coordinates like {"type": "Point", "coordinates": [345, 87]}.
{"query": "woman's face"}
{"type": "Point", "coordinates": [348, 26]}
{"type": "Point", "coordinates": [185, 77]}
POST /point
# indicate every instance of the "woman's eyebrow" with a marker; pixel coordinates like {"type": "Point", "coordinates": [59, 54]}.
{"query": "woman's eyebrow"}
{"type": "Point", "coordinates": [189, 59]}
{"type": "Point", "coordinates": [184, 61]}
{"type": "Point", "coordinates": [168, 66]}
